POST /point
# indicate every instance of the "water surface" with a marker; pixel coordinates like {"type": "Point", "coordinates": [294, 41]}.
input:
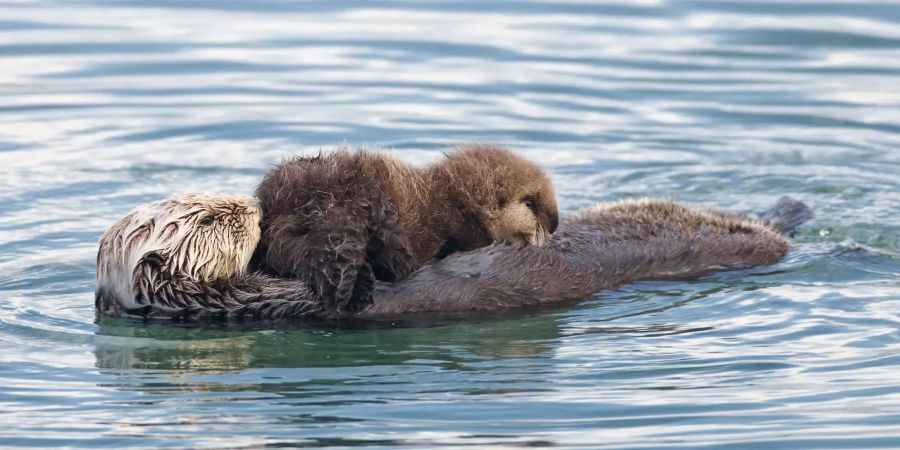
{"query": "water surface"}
{"type": "Point", "coordinates": [107, 104]}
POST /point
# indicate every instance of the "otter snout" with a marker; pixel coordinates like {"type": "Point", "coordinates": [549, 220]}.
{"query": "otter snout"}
{"type": "Point", "coordinates": [522, 223]}
{"type": "Point", "coordinates": [537, 237]}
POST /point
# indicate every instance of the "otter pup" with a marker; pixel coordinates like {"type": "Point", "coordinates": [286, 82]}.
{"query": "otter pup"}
{"type": "Point", "coordinates": [344, 220]}
{"type": "Point", "coordinates": [169, 259]}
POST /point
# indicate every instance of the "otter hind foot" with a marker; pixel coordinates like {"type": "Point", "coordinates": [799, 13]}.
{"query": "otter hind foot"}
{"type": "Point", "coordinates": [787, 215]}
{"type": "Point", "coordinates": [339, 274]}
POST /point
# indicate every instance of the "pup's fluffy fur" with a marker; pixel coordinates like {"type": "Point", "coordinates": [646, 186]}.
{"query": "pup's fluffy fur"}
{"type": "Point", "coordinates": [343, 220]}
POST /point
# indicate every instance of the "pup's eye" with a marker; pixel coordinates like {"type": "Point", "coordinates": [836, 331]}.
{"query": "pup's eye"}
{"type": "Point", "coordinates": [206, 220]}
{"type": "Point", "coordinates": [529, 202]}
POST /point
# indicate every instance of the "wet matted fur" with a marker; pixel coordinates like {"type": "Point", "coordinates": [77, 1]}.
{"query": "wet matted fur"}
{"type": "Point", "coordinates": [598, 248]}
{"type": "Point", "coordinates": [164, 255]}
{"type": "Point", "coordinates": [343, 220]}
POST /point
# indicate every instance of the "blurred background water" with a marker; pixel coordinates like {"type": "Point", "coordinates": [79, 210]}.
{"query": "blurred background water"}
{"type": "Point", "coordinates": [106, 104]}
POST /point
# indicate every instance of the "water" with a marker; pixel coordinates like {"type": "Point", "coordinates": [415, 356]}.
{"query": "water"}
{"type": "Point", "coordinates": [107, 104]}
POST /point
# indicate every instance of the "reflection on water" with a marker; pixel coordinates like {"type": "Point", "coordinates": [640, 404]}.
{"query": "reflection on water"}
{"type": "Point", "coordinates": [732, 104]}
{"type": "Point", "coordinates": [160, 346]}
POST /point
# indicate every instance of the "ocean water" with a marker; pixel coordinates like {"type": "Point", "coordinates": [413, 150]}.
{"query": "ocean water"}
{"type": "Point", "coordinates": [106, 104]}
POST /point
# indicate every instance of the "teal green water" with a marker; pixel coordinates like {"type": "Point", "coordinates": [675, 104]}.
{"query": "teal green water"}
{"type": "Point", "coordinates": [107, 104]}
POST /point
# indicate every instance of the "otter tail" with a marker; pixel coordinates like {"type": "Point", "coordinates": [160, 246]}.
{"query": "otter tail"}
{"type": "Point", "coordinates": [787, 215]}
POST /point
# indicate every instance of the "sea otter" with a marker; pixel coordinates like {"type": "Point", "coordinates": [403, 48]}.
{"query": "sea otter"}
{"type": "Point", "coordinates": [344, 220]}
{"type": "Point", "coordinates": [597, 248]}
{"type": "Point", "coordinates": [170, 259]}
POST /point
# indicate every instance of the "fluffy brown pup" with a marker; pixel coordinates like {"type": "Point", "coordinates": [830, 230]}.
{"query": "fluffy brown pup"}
{"type": "Point", "coordinates": [343, 220]}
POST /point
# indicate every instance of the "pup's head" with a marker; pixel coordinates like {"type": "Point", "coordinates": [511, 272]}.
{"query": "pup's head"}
{"type": "Point", "coordinates": [511, 197]}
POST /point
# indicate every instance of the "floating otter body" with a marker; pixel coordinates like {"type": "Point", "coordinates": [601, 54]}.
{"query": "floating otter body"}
{"type": "Point", "coordinates": [342, 221]}
{"type": "Point", "coordinates": [595, 249]}
{"type": "Point", "coordinates": [598, 248]}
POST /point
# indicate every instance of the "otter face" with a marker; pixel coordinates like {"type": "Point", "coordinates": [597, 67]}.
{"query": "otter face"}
{"type": "Point", "coordinates": [190, 236]}
{"type": "Point", "coordinates": [528, 218]}
{"type": "Point", "coordinates": [498, 196]}
{"type": "Point", "coordinates": [516, 197]}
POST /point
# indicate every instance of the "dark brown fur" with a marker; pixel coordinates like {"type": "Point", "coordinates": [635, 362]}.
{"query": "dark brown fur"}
{"type": "Point", "coordinates": [598, 248]}
{"type": "Point", "coordinates": [343, 221]}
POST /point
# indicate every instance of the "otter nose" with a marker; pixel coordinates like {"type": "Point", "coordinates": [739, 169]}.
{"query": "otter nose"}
{"type": "Point", "coordinates": [553, 222]}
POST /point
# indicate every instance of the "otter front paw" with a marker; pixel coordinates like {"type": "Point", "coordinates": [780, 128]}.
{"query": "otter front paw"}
{"type": "Point", "coordinates": [340, 275]}
{"type": "Point", "coordinates": [394, 259]}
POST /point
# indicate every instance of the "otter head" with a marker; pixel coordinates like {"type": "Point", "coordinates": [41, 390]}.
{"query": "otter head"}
{"type": "Point", "coordinates": [191, 237]}
{"type": "Point", "coordinates": [511, 199]}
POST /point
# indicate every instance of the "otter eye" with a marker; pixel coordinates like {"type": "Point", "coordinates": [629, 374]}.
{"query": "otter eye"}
{"type": "Point", "coordinates": [206, 220]}
{"type": "Point", "coordinates": [154, 259]}
{"type": "Point", "coordinates": [529, 202]}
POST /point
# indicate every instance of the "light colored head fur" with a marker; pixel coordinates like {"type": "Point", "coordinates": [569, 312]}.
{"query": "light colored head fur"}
{"type": "Point", "coordinates": [187, 237]}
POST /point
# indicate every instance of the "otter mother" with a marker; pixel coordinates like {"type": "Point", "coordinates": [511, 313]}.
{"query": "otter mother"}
{"type": "Point", "coordinates": [148, 266]}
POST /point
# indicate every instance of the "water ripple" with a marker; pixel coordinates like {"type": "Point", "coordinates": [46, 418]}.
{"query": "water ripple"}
{"type": "Point", "coordinates": [730, 104]}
